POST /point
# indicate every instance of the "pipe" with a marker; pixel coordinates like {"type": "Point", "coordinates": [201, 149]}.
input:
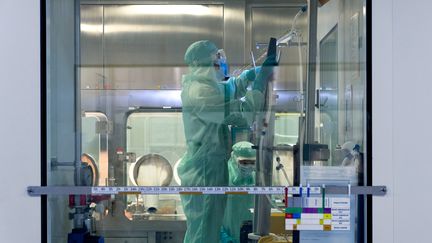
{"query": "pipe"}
{"type": "Point", "coordinates": [311, 83]}
{"type": "Point", "coordinates": [77, 175]}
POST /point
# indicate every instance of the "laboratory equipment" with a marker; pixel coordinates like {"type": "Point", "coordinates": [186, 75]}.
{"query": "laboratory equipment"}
{"type": "Point", "coordinates": [151, 170]}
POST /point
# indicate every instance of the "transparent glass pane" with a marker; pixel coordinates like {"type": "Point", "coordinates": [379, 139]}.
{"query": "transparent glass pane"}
{"type": "Point", "coordinates": [205, 103]}
{"type": "Point", "coordinates": [334, 149]}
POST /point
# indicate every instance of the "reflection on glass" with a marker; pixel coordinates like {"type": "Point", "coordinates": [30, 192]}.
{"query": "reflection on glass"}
{"type": "Point", "coordinates": [328, 99]}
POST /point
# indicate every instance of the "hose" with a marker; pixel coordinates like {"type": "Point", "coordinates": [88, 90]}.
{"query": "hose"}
{"type": "Point", "coordinates": [283, 169]}
{"type": "Point", "coordinates": [262, 57]}
{"type": "Point", "coordinates": [270, 105]}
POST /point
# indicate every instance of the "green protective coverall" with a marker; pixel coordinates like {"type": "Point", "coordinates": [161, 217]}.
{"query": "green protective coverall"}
{"type": "Point", "coordinates": [237, 209]}
{"type": "Point", "coordinates": [208, 109]}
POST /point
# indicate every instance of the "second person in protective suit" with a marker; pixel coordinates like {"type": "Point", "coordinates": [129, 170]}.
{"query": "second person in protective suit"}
{"type": "Point", "coordinates": [208, 108]}
{"type": "Point", "coordinates": [241, 168]}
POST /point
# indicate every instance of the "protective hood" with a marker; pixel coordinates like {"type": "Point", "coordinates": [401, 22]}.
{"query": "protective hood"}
{"type": "Point", "coordinates": [201, 53]}
{"type": "Point", "coordinates": [238, 177]}
{"type": "Point", "coordinates": [200, 56]}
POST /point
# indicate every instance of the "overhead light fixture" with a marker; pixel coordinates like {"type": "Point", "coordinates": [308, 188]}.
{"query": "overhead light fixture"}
{"type": "Point", "coordinates": [91, 28]}
{"type": "Point", "coordinates": [142, 28]}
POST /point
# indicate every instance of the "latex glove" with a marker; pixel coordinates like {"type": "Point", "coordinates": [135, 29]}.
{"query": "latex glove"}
{"type": "Point", "coordinates": [252, 73]}
{"type": "Point", "coordinates": [263, 76]}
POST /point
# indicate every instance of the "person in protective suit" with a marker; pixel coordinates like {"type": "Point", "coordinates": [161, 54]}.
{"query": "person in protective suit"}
{"type": "Point", "coordinates": [208, 108]}
{"type": "Point", "coordinates": [241, 168]}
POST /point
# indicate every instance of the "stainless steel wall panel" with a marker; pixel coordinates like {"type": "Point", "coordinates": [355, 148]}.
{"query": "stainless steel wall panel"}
{"type": "Point", "coordinates": [127, 99]}
{"type": "Point", "coordinates": [140, 47]}
{"type": "Point", "coordinates": [132, 78]}
{"type": "Point", "coordinates": [149, 78]}
{"type": "Point", "coordinates": [275, 21]}
{"type": "Point", "coordinates": [131, 99]}
{"type": "Point", "coordinates": [234, 33]}
{"type": "Point", "coordinates": [138, 35]}
{"type": "Point", "coordinates": [91, 28]}
{"type": "Point", "coordinates": [92, 77]}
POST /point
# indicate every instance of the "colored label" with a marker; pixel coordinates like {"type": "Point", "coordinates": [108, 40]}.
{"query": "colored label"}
{"type": "Point", "coordinates": [293, 210]}
{"type": "Point", "coordinates": [313, 217]}
{"type": "Point", "coordinates": [191, 193]}
{"type": "Point", "coordinates": [130, 193]}
{"type": "Point", "coordinates": [310, 210]}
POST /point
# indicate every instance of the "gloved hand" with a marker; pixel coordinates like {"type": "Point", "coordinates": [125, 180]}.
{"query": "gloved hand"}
{"type": "Point", "coordinates": [250, 74]}
{"type": "Point", "coordinates": [263, 76]}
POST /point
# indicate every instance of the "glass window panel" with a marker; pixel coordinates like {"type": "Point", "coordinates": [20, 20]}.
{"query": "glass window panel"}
{"type": "Point", "coordinates": [131, 103]}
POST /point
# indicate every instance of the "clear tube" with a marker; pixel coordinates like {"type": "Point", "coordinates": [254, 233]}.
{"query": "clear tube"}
{"type": "Point", "coordinates": [283, 169]}
{"type": "Point", "coordinates": [301, 104]}
{"type": "Point", "coordinates": [295, 19]}
{"type": "Point", "coordinates": [261, 145]}
{"type": "Point", "coordinates": [292, 32]}
{"type": "Point", "coordinates": [268, 113]}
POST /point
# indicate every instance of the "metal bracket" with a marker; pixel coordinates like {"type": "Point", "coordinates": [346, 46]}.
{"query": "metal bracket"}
{"type": "Point", "coordinates": [357, 190]}
{"type": "Point", "coordinates": [128, 157]}
{"type": "Point", "coordinates": [290, 44]}
{"type": "Point", "coordinates": [104, 127]}
{"type": "Point", "coordinates": [55, 163]}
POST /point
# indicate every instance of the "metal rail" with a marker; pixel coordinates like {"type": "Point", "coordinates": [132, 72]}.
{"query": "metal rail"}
{"type": "Point", "coordinates": [36, 191]}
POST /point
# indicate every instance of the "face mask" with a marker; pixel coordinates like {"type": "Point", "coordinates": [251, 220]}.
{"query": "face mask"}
{"type": "Point", "coordinates": [246, 170]}
{"type": "Point", "coordinates": [221, 65]}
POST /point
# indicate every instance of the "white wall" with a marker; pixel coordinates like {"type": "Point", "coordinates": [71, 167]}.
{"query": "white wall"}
{"type": "Point", "coordinates": [19, 131]}
{"type": "Point", "coordinates": [382, 113]}
{"type": "Point", "coordinates": [402, 87]}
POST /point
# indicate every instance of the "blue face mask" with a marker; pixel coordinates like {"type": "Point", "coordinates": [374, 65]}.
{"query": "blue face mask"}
{"type": "Point", "coordinates": [223, 67]}
{"type": "Point", "coordinates": [222, 64]}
